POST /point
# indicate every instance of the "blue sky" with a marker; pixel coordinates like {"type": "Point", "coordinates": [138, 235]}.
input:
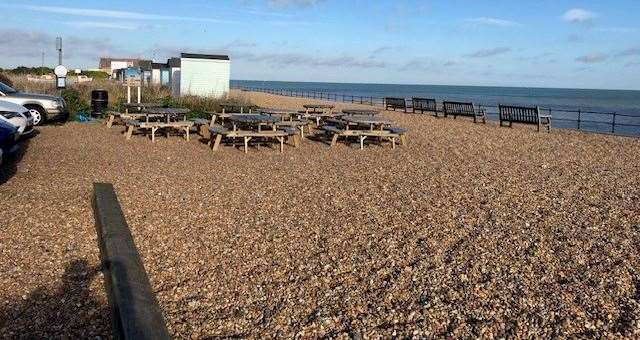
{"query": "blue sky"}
{"type": "Point", "coordinates": [577, 44]}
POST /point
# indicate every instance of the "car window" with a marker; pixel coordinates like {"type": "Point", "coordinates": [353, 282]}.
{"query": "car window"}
{"type": "Point", "coordinates": [4, 88]}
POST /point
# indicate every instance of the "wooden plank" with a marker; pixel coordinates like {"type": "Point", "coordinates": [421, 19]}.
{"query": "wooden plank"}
{"type": "Point", "coordinates": [135, 312]}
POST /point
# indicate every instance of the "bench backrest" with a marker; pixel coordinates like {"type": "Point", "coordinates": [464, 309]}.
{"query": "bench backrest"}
{"type": "Point", "coordinates": [395, 102]}
{"type": "Point", "coordinates": [521, 114]}
{"type": "Point", "coordinates": [427, 104]}
{"type": "Point", "coordinates": [458, 108]}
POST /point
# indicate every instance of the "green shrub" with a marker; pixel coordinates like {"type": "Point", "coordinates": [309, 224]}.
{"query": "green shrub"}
{"type": "Point", "coordinates": [95, 74]}
{"type": "Point", "coordinates": [75, 102]}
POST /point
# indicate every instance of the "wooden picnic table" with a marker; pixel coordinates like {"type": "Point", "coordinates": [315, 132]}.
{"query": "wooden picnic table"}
{"type": "Point", "coordinates": [237, 108]}
{"type": "Point", "coordinates": [318, 109]}
{"type": "Point", "coordinates": [167, 112]}
{"type": "Point", "coordinates": [257, 120]}
{"type": "Point", "coordinates": [360, 112]}
{"type": "Point", "coordinates": [284, 114]}
{"type": "Point", "coordinates": [322, 107]}
{"type": "Point", "coordinates": [141, 106]}
{"type": "Point", "coordinates": [372, 121]}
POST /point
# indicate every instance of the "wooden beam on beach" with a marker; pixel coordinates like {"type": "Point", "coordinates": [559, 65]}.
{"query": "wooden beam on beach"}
{"type": "Point", "coordinates": [135, 312]}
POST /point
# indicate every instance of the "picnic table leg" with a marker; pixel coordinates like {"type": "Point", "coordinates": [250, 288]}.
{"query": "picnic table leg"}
{"type": "Point", "coordinates": [186, 130]}
{"type": "Point", "coordinates": [403, 140]}
{"type": "Point", "coordinates": [110, 121]}
{"type": "Point", "coordinates": [334, 140]}
{"type": "Point", "coordinates": [129, 132]}
{"type": "Point", "coordinates": [216, 144]}
{"type": "Point", "coordinates": [362, 138]}
{"type": "Point", "coordinates": [281, 139]}
{"type": "Point", "coordinates": [393, 142]}
{"type": "Point", "coordinates": [246, 144]}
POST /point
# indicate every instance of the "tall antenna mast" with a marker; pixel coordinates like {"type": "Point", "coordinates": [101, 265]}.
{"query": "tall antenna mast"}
{"type": "Point", "coordinates": [59, 48]}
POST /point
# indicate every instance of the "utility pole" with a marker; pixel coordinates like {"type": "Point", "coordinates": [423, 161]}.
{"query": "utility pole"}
{"type": "Point", "coordinates": [59, 48]}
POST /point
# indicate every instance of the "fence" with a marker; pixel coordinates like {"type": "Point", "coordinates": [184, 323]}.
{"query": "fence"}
{"type": "Point", "coordinates": [583, 120]}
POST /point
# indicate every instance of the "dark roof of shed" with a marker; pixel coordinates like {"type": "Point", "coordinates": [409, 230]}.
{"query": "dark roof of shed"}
{"type": "Point", "coordinates": [204, 56]}
{"type": "Point", "coordinates": [159, 65]}
{"type": "Point", "coordinates": [173, 62]}
{"type": "Point", "coordinates": [145, 64]}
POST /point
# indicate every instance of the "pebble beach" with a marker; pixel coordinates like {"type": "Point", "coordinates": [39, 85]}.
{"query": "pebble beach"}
{"type": "Point", "coordinates": [469, 230]}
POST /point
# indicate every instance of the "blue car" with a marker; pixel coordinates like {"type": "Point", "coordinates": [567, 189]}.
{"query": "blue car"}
{"type": "Point", "coordinates": [8, 136]}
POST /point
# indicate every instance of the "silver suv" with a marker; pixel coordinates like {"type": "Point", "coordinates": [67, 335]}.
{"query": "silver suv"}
{"type": "Point", "coordinates": [42, 107]}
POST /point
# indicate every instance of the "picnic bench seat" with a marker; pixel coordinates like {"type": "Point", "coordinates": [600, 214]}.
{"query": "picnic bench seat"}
{"type": "Point", "coordinates": [395, 103]}
{"type": "Point", "coordinates": [464, 109]}
{"type": "Point", "coordinates": [132, 124]}
{"type": "Point", "coordinates": [219, 131]}
{"type": "Point", "coordinates": [337, 132]}
{"type": "Point", "coordinates": [525, 115]}
{"type": "Point", "coordinates": [424, 104]}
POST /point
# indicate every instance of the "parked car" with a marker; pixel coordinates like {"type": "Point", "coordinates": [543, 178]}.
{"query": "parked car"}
{"type": "Point", "coordinates": [8, 136]}
{"type": "Point", "coordinates": [18, 116]}
{"type": "Point", "coordinates": [42, 107]}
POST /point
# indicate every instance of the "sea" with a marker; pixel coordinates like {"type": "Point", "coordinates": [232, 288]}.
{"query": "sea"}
{"type": "Point", "coordinates": [608, 111]}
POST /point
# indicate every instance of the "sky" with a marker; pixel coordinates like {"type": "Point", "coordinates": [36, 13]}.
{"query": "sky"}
{"type": "Point", "coordinates": [532, 43]}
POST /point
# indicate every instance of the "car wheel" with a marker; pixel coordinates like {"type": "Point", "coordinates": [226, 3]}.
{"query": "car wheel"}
{"type": "Point", "coordinates": [38, 115]}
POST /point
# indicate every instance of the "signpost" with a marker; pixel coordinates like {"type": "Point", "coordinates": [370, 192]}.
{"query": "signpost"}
{"type": "Point", "coordinates": [61, 76]}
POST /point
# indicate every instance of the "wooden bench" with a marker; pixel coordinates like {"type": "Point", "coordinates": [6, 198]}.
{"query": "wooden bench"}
{"type": "Point", "coordinates": [463, 109]}
{"type": "Point", "coordinates": [337, 132]}
{"type": "Point", "coordinates": [132, 124]}
{"type": "Point", "coordinates": [395, 103]}
{"type": "Point", "coordinates": [424, 104]}
{"type": "Point", "coordinates": [525, 115]}
{"type": "Point", "coordinates": [219, 131]}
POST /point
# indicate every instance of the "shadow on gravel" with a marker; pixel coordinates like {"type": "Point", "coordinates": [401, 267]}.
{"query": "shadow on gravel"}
{"type": "Point", "coordinates": [9, 165]}
{"type": "Point", "coordinates": [65, 311]}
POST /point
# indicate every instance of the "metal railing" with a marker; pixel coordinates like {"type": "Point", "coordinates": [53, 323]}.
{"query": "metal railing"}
{"type": "Point", "coordinates": [583, 120]}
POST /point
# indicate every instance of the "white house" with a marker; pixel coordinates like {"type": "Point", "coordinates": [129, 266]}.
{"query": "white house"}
{"type": "Point", "coordinates": [202, 75]}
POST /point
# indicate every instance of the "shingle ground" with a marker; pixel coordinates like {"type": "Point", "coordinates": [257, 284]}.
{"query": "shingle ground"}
{"type": "Point", "coordinates": [468, 231]}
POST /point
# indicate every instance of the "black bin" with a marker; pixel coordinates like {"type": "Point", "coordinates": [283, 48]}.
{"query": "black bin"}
{"type": "Point", "coordinates": [99, 101]}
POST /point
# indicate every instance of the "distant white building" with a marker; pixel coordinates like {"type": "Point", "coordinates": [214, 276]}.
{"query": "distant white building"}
{"type": "Point", "coordinates": [203, 75]}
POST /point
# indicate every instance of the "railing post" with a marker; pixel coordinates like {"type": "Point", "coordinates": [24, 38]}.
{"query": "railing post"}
{"type": "Point", "coordinates": [579, 118]}
{"type": "Point", "coordinates": [613, 124]}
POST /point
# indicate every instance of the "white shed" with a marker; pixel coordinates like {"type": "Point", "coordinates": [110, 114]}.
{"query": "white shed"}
{"type": "Point", "coordinates": [202, 75]}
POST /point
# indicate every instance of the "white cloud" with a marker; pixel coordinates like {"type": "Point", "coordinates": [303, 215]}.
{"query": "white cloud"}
{"type": "Point", "coordinates": [486, 21]}
{"type": "Point", "coordinates": [98, 13]}
{"type": "Point", "coordinates": [618, 30]}
{"type": "Point", "coordinates": [299, 3]}
{"type": "Point", "coordinates": [100, 24]}
{"type": "Point", "coordinates": [579, 16]}
{"type": "Point", "coordinates": [593, 58]}
{"type": "Point", "coordinates": [491, 52]}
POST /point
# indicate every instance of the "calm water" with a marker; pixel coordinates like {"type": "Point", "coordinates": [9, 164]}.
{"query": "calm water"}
{"type": "Point", "coordinates": [607, 101]}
